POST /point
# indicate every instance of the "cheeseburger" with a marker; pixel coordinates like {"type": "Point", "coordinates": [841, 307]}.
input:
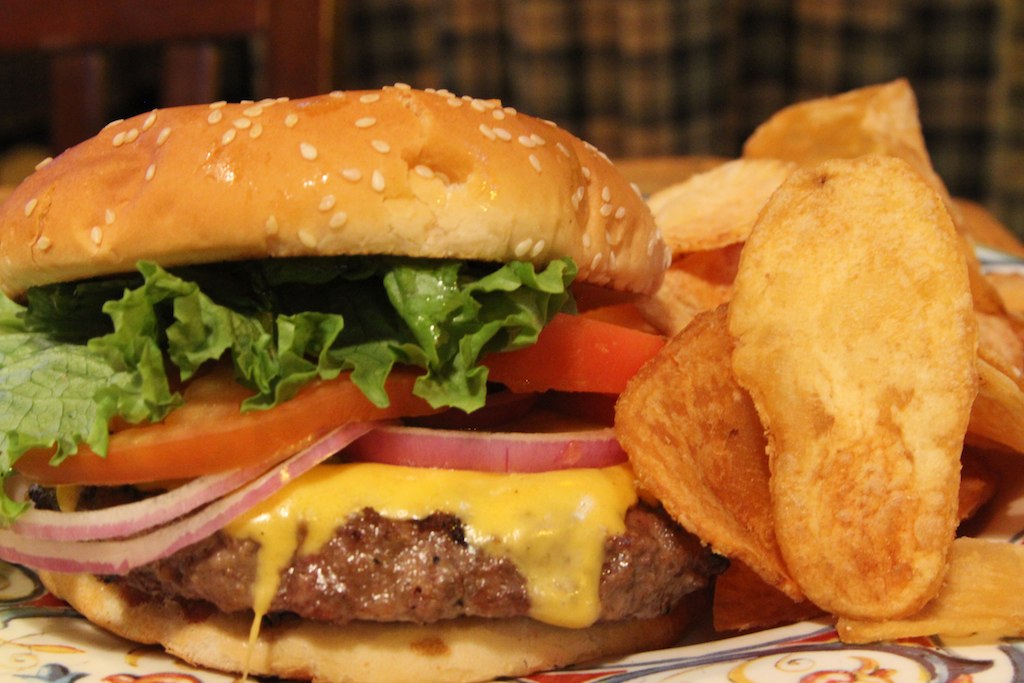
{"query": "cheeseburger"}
{"type": "Point", "coordinates": [321, 389]}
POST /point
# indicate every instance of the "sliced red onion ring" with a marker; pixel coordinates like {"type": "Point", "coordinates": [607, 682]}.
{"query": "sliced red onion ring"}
{"type": "Point", "coordinates": [489, 451]}
{"type": "Point", "coordinates": [131, 518]}
{"type": "Point", "coordinates": [118, 556]}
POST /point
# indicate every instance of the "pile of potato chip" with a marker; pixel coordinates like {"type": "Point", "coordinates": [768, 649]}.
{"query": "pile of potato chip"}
{"type": "Point", "coordinates": [839, 373]}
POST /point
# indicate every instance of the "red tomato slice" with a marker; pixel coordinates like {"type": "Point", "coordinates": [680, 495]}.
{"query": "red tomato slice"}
{"type": "Point", "coordinates": [208, 433]}
{"type": "Point", "coordinates": [576, 353]}
{"type": "Point", "coordinates": [623, 315]}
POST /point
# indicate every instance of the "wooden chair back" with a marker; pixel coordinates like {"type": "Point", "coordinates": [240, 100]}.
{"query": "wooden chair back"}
{"type": "Point", "coordinates": [292, 42]}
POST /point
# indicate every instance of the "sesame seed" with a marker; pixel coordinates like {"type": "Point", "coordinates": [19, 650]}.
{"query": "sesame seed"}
{"type": "Point", "coordinates": [257, 109]}
{"type": "Point", "coordinates": [430, 90]}
{"type": "Point", "coordinates": [535, 162]}
{"type": "Point", "coordinates": [215, 116]}
{"type": "Point", "coordinates": [668, 258]}
{"type": "Point", "coordinates": [537, 139]}
{"type": "Point", "coordinates": [353, 174]}
{"type": "Point", "coordinates": [380, 146]}
{"type": "Point", "coordinates": [132, 135]}
{"type": "Point", "coordinates": [96, 235]}
{"type": "Point", "coordinates": [606, 210]}
{"type": "Point", "coordinates": [228, 136]}
{"type": "Point", "coordinates": [511, 111]}
{"type": "Point", "coordinates": [620, 212]}
{"type": "Point", "coordinates": [327, 202]}
{"type": "Point", "coordinates": [43, 243]}
{"type": "Point", "coordinates": [113, 123]}
{"type": "Point", "coordinates": [150, 170]}
{"type": "Point", "coordinates": [291, 120]}
{"type": "Point", "coordinates": [30, 206]}
{"type": "Point", "coordinates": [369, 98]}
{"type": "Point", "coordinates": [217, 105]}
{"type": "Point", "coordinates": [587, 241]}
{"type": "Point", "coordinates": [365, 122]}
{"type": "Point", "coordinates": [526, 141]}
{"type": "Point", "coordinates": [271, 225]}
{"type": "Point", "coordinates": [109, 216]}
{"type": "Point", "coordinates": [537, 248]}
{"type": "Point", "coordinates": [577, 197]}
{"type": "Point", "coordinates": [337, 94]}
{"type": "Point", "coordinates": [499, 114]}
{"type": "Point", "coordinates": [377, 181]}
{"type": "Point", "coordinates": [44, 163]}
{"type": "Point", "coordinates": [611, 259]}
{"type": "Point", "coordinates": [523, 248]}
{"type": "Point", "coordinates": [150, 120]}
{"type": "Point", "coordinates": [282, 99]}
{"type": "Point", "coordinates": [549, 123]}
{"type": "Point", "coordinates": [241, 124]}
{"type": "Point", "coordinates": [606, 193]}
{"type": "Point", "coordinates": [403, 86]}
{"type": "Point", "coordinates": [596, 262]}
{"type": "Point", "coordinates": [479, 105]}
{"type": "Point", "coordinates": [307, 238]}
{"type": "Point", "coordinates": [308, 151]}
{"type": "Point", "coordinates": [650, 246]}
{"type": "Point", "coordinates": [256, 131]}
{"type": "Point", "coordinates": [502, 134]}
{"type": "Point", "coordinates": [454, 102]}
{"type": "Point", "coordinates": [424, 171]}
{"type": "Point", "coordinates": [338, 219]}
{"type": "Point", "coordinates": [162, 137]}
{"type": "Point", "coordinates": [563, 149]}
{"type": "Point", "coordinates": [119, 139]}
{"type": "Point", "coordinates": [637, 190]}
{"type": "Point", "coordinates": [488, 133]}
{"type": "Point", "coordinates": [586, 172]}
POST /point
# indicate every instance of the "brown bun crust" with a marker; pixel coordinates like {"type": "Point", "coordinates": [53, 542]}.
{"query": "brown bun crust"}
{"type": "Point", "coordinates": [460, 650]}
{"type": "Point", "coordinates": [391, 171]}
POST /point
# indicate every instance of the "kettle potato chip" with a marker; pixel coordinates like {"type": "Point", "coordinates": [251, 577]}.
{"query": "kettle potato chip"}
{"type": "Point", "coordinates": [718, 207]}
{"type": "Point", "coordinates": [983, 592]}
{"type": "Point", "coordinates": [695, 442]}
{"type": "Point", "coordinates": [697, 282]}
{"type": "Point", "coordinates": [856, 338]}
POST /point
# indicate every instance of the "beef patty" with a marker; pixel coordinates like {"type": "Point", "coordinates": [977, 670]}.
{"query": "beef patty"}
{"type": "Point", "coordinates": [424, 571]}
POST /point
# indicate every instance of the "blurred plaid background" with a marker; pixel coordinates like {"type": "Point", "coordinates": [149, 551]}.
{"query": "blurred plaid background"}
{"type": "Point", "coordinates": [662, 77]}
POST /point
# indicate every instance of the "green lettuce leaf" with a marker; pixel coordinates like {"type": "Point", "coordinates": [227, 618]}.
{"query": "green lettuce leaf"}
{"type": "Point", "coordinates": [80, 354]}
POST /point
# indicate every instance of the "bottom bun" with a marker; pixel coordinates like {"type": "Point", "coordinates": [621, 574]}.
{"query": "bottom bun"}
{"type": "Point", "coordinates": [457, 650]}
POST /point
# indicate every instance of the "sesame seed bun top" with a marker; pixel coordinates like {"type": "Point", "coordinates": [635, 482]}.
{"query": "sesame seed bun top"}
{"type": "Point", "coordinates": [391, 171]}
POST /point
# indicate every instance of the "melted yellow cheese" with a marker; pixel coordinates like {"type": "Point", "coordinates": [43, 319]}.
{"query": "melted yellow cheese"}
{"type": "Point", "coordinates": [552, 525]}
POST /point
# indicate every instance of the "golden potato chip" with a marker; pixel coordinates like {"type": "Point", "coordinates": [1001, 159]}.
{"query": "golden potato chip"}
{"type": "Point", "coordinates": [696, 282]}
{"type": "Point", "coordinates": [743, 601]}
{"type": "Point", "coordinates": [695, 442]}
{"type": "Point", "coordinates": [997, 416]}
{"type": "Point", "coordinates": [1010, 287]}
{"type": "Point", "coordinates": [718, 207]}
{"type": "Point", "coordinates": [856, 338]}
{"type": "Point", "coordinates": [983, 592]}
{"type": "Point", "coordinates": [877, 119]}
{"type": "Point", "coordinates": [999, 343]}
{"type": "Point", "coordinates": [984, 228]}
